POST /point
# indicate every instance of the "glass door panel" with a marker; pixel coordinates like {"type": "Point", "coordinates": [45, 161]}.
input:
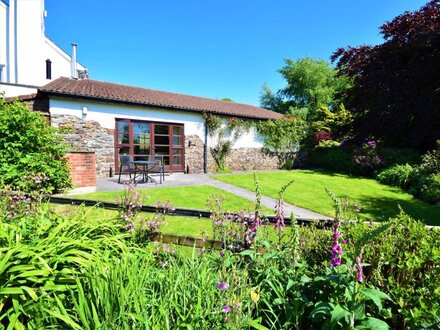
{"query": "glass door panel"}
{"type": "Point", "coordinates": [141, 139]}
{"type": "Point", "coordinates": [177, 157]}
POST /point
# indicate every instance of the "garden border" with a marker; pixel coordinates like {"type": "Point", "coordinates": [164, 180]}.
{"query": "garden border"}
{"type": "Point", "coordinates": [179, 211]}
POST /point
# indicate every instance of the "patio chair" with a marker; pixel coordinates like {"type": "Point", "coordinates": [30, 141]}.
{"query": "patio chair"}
{"type": "Point", "coordinates": [125, 161]}
{"type": "Point", "coordinates": [159, 168]}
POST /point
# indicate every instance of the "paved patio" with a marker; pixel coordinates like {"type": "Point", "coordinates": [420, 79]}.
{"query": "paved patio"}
{"type": "Point", "coordinates": [180, 179]}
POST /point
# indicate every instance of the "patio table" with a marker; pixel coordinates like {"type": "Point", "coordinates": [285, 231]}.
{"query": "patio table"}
{"type": "Point", "coordinates": [144, 167]}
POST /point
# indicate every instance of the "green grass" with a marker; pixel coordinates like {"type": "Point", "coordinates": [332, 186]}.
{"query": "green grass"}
{"type": "Point", "coordinates": [192, 197]}
{"type": "Point", "coordinates": [377, 201]}
{"type": "Point", "coordinates": [178, 225]}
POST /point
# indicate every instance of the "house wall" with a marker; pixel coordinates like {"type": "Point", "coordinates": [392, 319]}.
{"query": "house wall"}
{"type": "Point", "coordinates": [93, 130]}
{"type": "Point", "coordinates": [3, 24]}
{"type": "Point", "coordinates": [24, 48]}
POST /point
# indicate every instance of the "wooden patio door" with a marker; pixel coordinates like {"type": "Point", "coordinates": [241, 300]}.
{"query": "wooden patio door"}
{"type": "Point", "coordinates": [142, 138]}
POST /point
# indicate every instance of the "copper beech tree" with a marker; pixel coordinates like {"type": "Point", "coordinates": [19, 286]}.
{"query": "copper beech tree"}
{"type": "Point", "coordinates": [395, 94]}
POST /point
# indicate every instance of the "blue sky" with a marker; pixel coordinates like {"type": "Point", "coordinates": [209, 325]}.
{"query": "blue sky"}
{"type": "Point", "coordinates": [211, 48]}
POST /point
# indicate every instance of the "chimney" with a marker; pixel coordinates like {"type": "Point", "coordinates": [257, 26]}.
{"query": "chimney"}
{"type": "Point", "coordinates": [74, 70]}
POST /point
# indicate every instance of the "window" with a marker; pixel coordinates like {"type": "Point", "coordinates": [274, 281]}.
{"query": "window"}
{"type": "Point", "coordinates": [48, 69]}
{"type": "Point", "coordinates": [1, 72]}
{"type": "Point", "coordinates": [142, 138]}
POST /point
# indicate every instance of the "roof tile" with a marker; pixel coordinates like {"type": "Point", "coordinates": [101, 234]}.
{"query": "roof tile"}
{"type": "Point", "coordinates": [106, 91]}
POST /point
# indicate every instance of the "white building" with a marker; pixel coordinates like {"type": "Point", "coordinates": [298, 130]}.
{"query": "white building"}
{"type": "Point", "coordinates": [112, 120]}
{"type": "Point", "coordinates": [28, 59]}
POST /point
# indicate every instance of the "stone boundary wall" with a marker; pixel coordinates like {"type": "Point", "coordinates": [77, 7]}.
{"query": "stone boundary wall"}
{"type": "Point", "coordinates": [82, 168]}
{"type": "Point", "coordinates": [241, 159]}
{"type": "Point", "coordinates": [88, 136]}
{"type": "Point", "coordinates": [250, 159]}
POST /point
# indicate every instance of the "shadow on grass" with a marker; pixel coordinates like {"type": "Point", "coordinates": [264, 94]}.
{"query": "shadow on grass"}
{"type": "Point", "coordinates": [382, 208]}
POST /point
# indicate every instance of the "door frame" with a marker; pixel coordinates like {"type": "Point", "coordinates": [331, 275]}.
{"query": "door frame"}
{"type": "Point", "coordinates": [169, 168]}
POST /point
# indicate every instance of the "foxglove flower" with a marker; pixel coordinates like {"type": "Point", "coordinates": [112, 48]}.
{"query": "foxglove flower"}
{"type": "Point", "coordinates": [359, 275]}
{"type": "Point", "coordinates": [226, 309]}
{"type": "Point", "coordinates": [336, 250]}
{"type": "Point", "coordinates": [223, 286]}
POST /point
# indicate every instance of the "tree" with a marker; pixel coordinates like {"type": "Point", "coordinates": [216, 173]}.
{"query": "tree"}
{"type": "Point", "coordinates": [311, 84]}
{"type": "Point", "coordinates": [31, 155]}
{"type": "Point", "coordinates": [283, 137]}
{"type": "Point", "coordinates": [395, 96]}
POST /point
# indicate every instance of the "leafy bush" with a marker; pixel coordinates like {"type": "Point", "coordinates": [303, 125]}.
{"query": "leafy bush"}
{"type": "Point", "coordinates": [397, 175]}
{"type": "Point", "coordinates": [333, 158]}
{"type": "Point", "coordinates": [426, 187]}
{"type": "Point", "coordinates": [367, 158]}
{"type": "Point", "coordinates": [394, 156]}
{"type": "Point", "coordinates": [77, 272]}
{"type": "Point", "coordinates": [283, 137]}
{"type": "Point", "coordinates": [431, 161]}
{"type": "Point", "coordinates": [31, 155]}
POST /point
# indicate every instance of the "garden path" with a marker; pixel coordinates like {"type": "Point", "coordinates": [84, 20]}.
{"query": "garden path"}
{"type": "Point", "coordinates": [178, 179]}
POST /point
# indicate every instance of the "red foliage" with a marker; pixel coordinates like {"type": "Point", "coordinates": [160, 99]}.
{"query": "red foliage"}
{"type": "Point", "coordinates": [396, 92]}
{"type": "Point", "coordinates": [322, 135]}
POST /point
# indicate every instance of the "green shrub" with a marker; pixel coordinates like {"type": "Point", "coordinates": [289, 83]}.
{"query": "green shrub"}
{"type": "Point", "coordinates": [333, 158]}
{"type": "Point", "coordinates": [394, 156]}
{"type": "Point", "coordinates": [403, 257]}
{"type": "Point", "coordinates": [397, 175]}
{"type": "Point", "coordinates": [31, 155]}
{"type": "Point", "coordinates": [431, 160]}
{"type": "Point", "coordinates": [430, 188]}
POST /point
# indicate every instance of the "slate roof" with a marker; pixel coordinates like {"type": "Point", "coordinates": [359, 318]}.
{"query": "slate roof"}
{"type": "Point", "coordinates": [111, 92]}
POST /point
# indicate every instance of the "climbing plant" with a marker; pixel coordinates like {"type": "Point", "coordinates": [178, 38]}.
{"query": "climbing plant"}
{"type": "Point", "coordinates": [224, 137]}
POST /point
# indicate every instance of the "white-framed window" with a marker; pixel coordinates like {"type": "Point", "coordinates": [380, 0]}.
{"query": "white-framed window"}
{"type": "Point", "coordinates": [1, 72]}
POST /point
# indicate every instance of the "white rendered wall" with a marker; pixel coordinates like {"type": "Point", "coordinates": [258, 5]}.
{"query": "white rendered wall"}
{"type": "Point", "coordinates": [105, 114]}
{"type": "Point", "coordinates": [31, 66]}
{"type": "Point", "coordinates": [248, 139]}
{"type": "Point", "coordinates": [61, 65]}
{"type": "Point", "coordinates": [24, 47]}
{"type": "Point", "coordinates": [15, 90]}
{"type": "Point", "coordinates": [3, 24]}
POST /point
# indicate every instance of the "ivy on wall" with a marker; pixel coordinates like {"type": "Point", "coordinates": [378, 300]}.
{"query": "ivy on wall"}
{"type": "Point", "coordinates": [225, 136]}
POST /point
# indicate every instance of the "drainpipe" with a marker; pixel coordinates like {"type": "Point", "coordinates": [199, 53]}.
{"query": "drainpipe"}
{"type": "Point", "coordinates": [205, 156]}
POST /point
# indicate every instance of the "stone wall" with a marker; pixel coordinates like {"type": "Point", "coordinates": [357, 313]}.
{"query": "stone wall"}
{"type": "Point", "coordinates": [82, 168]}
{"type": "Point", "coordinates": [88, 135]}
{"type": "Point", "coordinates": [194, 154]}
{"type": "Point", "coordinates": [242, 159]}
{"type": "Point", "coordinates": [249, 159]}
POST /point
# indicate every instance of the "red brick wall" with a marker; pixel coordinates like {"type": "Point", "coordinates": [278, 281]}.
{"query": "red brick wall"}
{"type": "Point", "coordinates": [82, 168]}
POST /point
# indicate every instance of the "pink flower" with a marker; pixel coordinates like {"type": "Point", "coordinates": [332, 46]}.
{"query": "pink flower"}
{"type": "Point", "coordinates": [223, 286]}
{"type": "Point", "coordinates": [226, 309]}
{"type": "Point", "coordinates": [359, 275]}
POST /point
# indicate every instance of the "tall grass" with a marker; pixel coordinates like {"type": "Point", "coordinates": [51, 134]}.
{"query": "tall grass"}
{"type": "Point", "coordinates": [41, 254]}
{"type": "Point", "coordinates": [142, 290]}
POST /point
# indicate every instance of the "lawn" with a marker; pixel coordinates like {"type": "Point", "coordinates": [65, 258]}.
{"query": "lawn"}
{"type": "Point", "coordinates": [178, 225]}
{"type": "Point", "coordinates": [377, 201]}
{"type": "Point", "coordinates": [192, 197]}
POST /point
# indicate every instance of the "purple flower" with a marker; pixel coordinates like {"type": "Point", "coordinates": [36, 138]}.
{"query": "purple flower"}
{"type": "Point", "coordinates": [336, 250]}
{"type": "Point", "coordinates": [130, 226]}
{"type": "Point", "coordinates": [222, 253]}
{"type": "Point", "coordinates": [359, 275]}
{"type": "Point", "coordinates": [223, 286]}
{"type": "Point", "coordinates": [226, 309]}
